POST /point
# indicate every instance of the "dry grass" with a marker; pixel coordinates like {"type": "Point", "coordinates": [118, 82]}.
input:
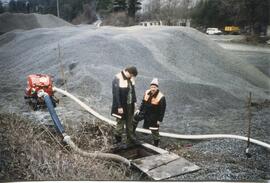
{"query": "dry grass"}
{"type": "Point", "coordinates": [31, 151]}
{"type": "Point", "coordinates": [87, 17]}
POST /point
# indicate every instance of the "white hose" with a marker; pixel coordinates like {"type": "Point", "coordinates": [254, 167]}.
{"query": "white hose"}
{"type": "Point", "coordinates": [100, 155]}
{"type": "Point", "coordinates": [67, 139]}
{"type": "Point", "coordinates": [164, 134]}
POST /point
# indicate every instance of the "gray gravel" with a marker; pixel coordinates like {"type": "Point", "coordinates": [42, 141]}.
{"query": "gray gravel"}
{"type": "Point", "coordinates": [226, 160]}
{"type": "Point", "coordinates": [205, 86]}
{"type": "Point", "coordinates": [12, 21]}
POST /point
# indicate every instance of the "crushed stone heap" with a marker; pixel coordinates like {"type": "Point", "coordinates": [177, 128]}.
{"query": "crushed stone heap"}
{"type": "Point", "coordinates": [14, 21]}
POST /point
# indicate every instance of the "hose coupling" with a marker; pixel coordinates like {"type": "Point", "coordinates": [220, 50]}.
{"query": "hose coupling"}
{"type": "Point", "coordinates": [41, 93]}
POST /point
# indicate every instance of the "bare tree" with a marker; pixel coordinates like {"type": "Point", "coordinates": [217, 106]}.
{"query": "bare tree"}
{"type": "Point", "coordinates": [185, 7]}
{"type": "Point", "coordinates": [169, 11]}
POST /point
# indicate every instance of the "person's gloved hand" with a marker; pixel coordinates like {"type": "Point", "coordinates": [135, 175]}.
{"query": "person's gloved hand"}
{"type": "Point", "coordinates": [135, 106]}
{"type": "Point", "coordinates": [120, 110]}
{"type": "Point", "coordinates": [137, 112]}
{"type": "Point", "coordinates": [137, 116]}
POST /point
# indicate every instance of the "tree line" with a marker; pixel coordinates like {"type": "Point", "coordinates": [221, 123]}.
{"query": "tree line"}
{"type": "Point", "coordinates": [250, 15]}
{"type": "Point", "coordinates": [170, 12]}
{"type": "Point", "coordinates": [72, 9]}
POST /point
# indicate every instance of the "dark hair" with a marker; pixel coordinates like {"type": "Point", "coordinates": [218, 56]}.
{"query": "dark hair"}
{"type": "Point", "coordinates": [132, 70]}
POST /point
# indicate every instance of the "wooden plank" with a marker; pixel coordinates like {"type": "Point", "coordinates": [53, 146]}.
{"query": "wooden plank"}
{"type": "Point", "coordinates": [154, 148]}
{"type": "Point", "coordinates": [174, 168]}
{"type": "Point", "coordinates": [150, 162]}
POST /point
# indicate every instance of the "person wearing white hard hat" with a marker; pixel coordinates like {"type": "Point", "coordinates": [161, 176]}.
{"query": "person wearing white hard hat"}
{"type": "Point", "coordinates": [152, 110]}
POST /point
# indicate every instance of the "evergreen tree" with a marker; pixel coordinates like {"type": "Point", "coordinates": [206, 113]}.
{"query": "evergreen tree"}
{"type": "Point", "coordinates": [104, 5]}
{"type": "Point", "coordinates": [20, 4]}
{"type": "Point", "coordinates": [119, 5]}
{"type": "Point", "coordinates": [1, 7]}
{"type": "Point", "coordinates": [12, 6]}
{"type": "Point", "coordinates": [257, 15]}
{"type": "Point", "coordinates": [244, 13]}
{"type": "Point", "coordinates": [133, 7]}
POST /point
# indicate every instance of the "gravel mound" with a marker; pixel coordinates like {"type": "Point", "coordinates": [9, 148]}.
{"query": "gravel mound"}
{"type": "Point", "coordinates": [202, 81]}
{"type": "Point", "coordinates": [226, 160]}
{"type": "Point", "coordinates": [13, 21]}
{"type": "Point", "coordinates": [206, 87]}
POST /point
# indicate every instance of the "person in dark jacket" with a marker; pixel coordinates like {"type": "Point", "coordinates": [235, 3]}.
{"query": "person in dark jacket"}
{"type": "Point", "coordinates": [152, 110]}
{"type": "Point", "coordinates": [123, 106]}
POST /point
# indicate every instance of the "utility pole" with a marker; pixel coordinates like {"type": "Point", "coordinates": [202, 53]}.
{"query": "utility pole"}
{"type": "Point", "coordinates": [62, 68]}
{"type": "Point", "coordinates": [58, 12]}
{"type": "Point", "coordinates": [249, 125]}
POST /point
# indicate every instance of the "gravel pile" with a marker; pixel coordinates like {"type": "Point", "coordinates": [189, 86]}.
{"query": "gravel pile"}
{"type": "Point", "coordinates": [13, 21]}
{"type": "Point", "coordinates": [201, 80]}
{"type": "Point", "coordinates": [226, 160]}
{"type": "Point", "coordinates": [205, 86]}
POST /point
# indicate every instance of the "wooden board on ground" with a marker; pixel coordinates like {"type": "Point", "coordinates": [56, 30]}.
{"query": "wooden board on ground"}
{"type": "Point", "coordinates": [164, 164]}
{"type": "Point", "coordinates": [154, 148]}
{"type": "Point", "coordinates": [154, 161]}
{"type": "Point", "coordinates": [178, 167]}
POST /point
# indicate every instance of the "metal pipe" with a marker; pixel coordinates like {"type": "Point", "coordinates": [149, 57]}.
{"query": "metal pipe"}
{"type": "Point", "coordinates": [58, 11]}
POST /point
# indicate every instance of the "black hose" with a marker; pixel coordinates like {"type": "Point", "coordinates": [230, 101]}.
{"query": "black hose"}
{"type": "Point", "coordinates": [53, 114]}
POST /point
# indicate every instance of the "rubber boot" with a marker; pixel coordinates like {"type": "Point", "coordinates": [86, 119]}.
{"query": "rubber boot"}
{"type": "Point", "coordinates": [156, 143]}
{"type": "Point", "coordinates": [134, 128]}
{"type": "Point", "coordinates": [117, 139]}
{"type": "Point", "coordinates": [134, 124]}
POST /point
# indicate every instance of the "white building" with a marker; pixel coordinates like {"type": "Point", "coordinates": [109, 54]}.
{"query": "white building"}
{"type": "Point", "coordinates": [181, 22]}
{"type": "Point", "coordinates": [151, 23]}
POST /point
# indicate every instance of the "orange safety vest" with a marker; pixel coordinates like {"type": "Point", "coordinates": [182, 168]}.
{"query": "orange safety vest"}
{"type": "Point", "coordinates": [123, 83]}
{"type": "Point", "coordinates": [155, 100]}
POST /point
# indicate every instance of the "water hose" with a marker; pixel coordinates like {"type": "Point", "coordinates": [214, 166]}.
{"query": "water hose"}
{"type": "Point", "coordinates": [100, 155]}
{"type": "Point", "coordinates": [164, 134]}
{"type": "Point", "coordinates": [53, 114]}
{"type": "Point", "coordinates": [67, 139]}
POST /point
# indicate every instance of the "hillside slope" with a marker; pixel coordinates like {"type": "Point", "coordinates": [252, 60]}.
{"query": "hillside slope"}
{"type": "Point", "coordinates": [13, 21]}
{"type": "Point", "coordinates": [205, 86]}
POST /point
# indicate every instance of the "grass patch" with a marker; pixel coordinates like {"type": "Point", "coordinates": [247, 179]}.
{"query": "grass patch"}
{"type": "Point", "coordinates": [30, 151]}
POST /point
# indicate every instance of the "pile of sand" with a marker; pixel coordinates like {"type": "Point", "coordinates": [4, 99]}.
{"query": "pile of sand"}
{"type": "Point", "coordinates": [13, 21]}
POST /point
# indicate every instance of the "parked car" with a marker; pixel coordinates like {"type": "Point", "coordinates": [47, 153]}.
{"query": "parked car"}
{"type": "Point", "coordinates": [213, 31]}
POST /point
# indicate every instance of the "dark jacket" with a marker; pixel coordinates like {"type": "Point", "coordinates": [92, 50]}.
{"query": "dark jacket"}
{"type": "Point", "coordinates": [153, 108]}
{"type": "Point", "coordinates": [120, 91]}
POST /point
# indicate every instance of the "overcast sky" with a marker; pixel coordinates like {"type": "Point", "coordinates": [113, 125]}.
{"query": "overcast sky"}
{"type": "Point", "coordinates": [5, 1]}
